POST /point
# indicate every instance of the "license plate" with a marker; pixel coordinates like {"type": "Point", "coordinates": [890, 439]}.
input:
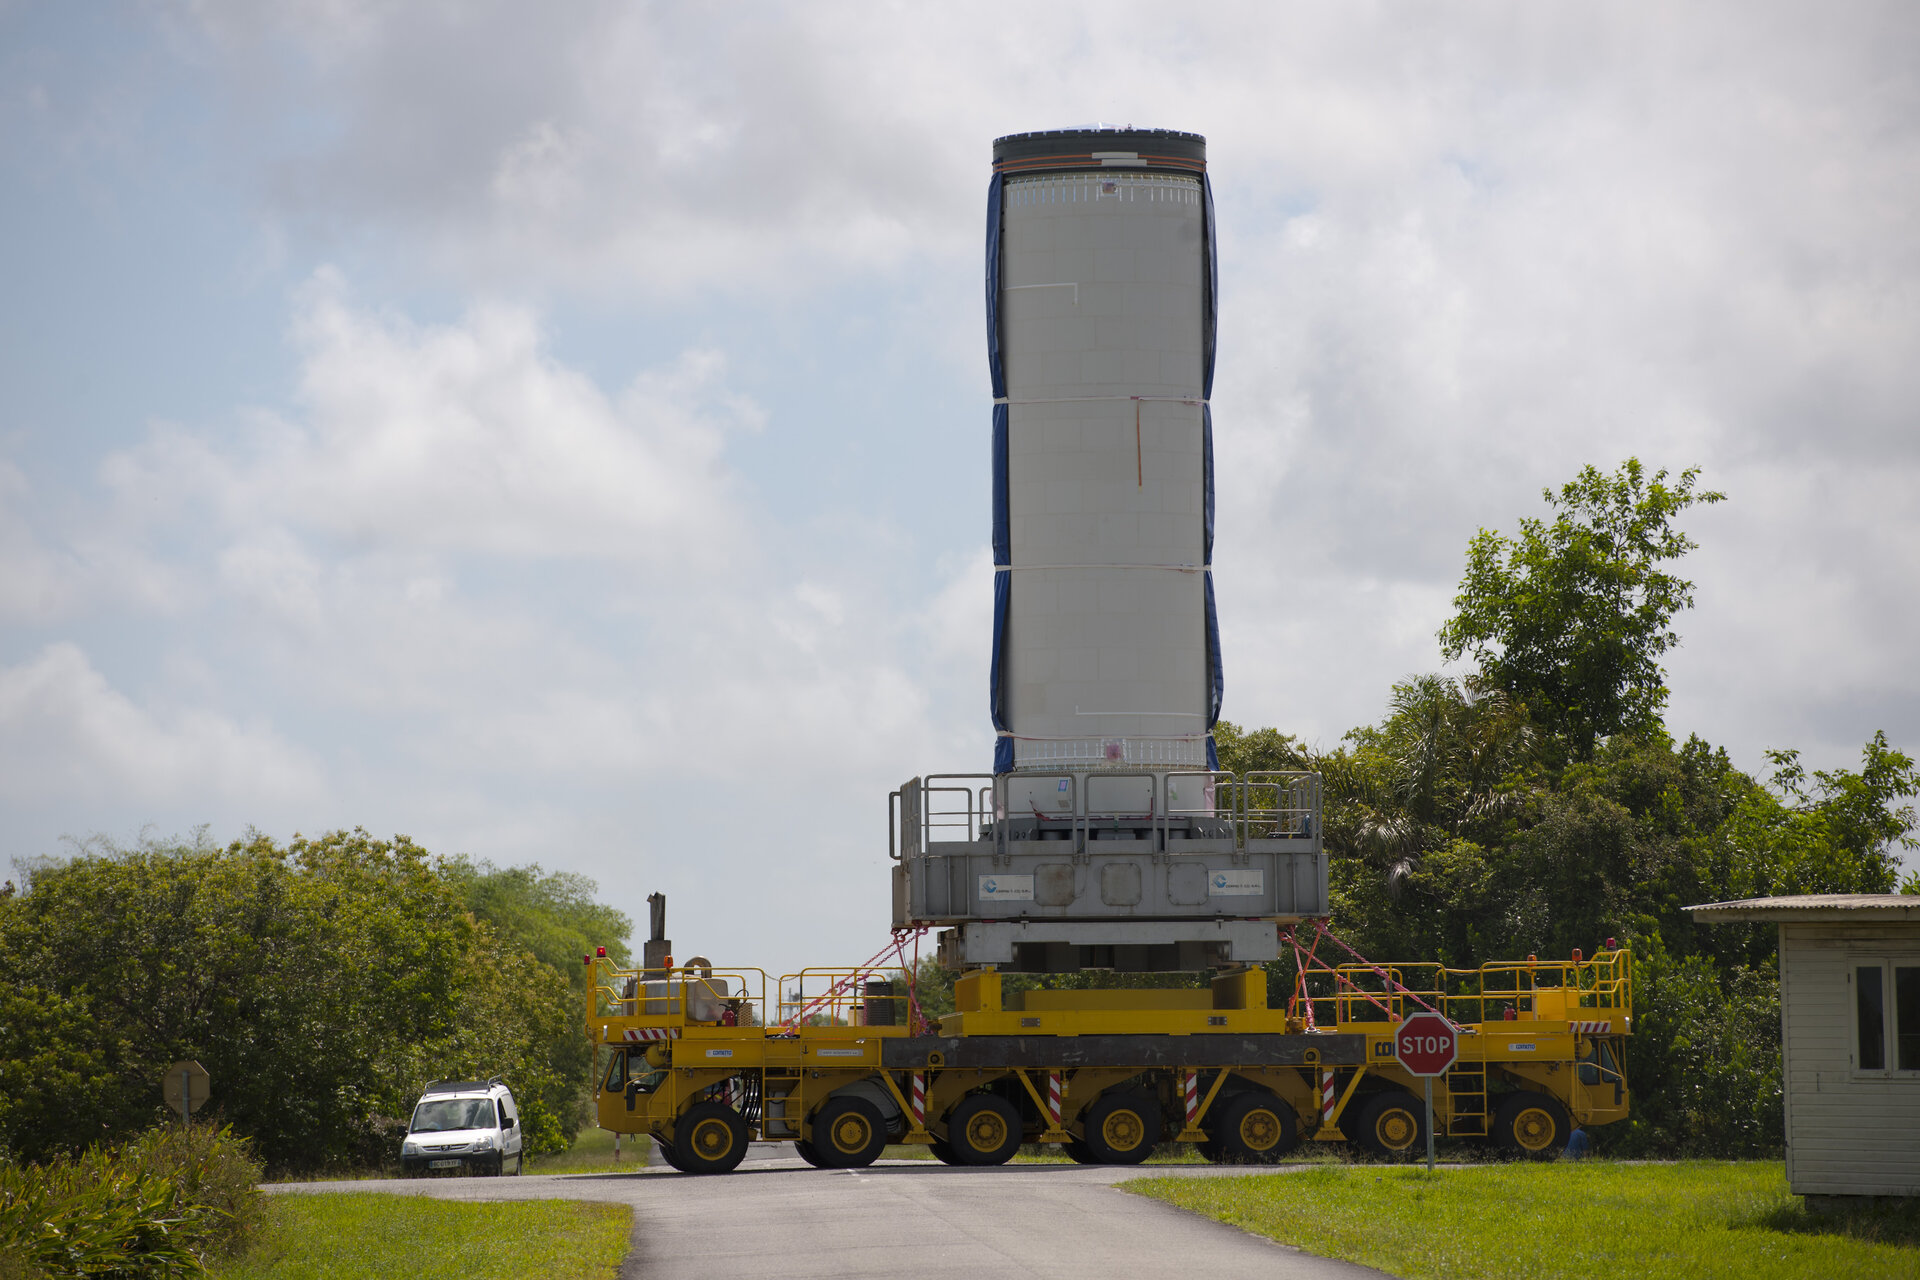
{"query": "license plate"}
{"type": "Point", "coordinates": [443, 1164]}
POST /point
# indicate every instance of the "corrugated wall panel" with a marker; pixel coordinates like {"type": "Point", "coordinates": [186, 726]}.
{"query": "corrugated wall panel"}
{"type": "Point", "coordinates": [1847, 1134]}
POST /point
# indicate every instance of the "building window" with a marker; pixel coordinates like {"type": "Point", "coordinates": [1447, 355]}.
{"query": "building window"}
{"type": "Point", "coordinates": [1906, 1014]}
{"type": "Point", "coordinates": [1870, 1015]}
{"type": "Point", "coordinates": [1886, 1016]}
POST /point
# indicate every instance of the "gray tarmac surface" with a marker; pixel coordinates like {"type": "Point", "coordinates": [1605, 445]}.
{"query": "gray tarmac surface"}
{"type": "Point", "coordinates": [775, 1218]}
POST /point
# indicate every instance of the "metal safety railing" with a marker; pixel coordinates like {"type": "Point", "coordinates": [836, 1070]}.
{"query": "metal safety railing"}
{"type": "Point", "coordinates": [1593, 993]}
{"type": "Point", "coordinates": [1168, 808]}
{"type": "Point", "coordinates": [883, 992]}
{"type": "Point", "coordinates": [694, 993]}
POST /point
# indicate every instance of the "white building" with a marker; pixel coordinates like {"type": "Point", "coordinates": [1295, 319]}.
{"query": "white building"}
{"type": "Point", "coordinates": [1850, 1036]}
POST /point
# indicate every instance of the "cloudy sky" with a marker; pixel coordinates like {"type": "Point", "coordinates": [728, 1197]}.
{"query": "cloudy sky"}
{"type": "Point", "coordinates": [565, 439]}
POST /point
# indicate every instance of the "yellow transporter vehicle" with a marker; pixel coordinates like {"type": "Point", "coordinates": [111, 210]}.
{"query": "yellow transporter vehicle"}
{"type": "Point", "coordinates": [1106, 1074]}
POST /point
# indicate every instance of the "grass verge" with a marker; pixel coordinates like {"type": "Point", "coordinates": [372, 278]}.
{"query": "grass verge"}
{"type": "Point", "coordinates": [356, 1235]}
{"type": "Point", "coordinates": [1544, 1222]}
{"type": "Point", "coordinates": [592, 1152]}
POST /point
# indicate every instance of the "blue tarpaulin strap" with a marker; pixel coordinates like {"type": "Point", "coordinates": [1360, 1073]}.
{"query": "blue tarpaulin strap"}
{"type": "Point", "coordinates": [1217, 679]}
{"type": "Point", "coordinates": [1002, 529]}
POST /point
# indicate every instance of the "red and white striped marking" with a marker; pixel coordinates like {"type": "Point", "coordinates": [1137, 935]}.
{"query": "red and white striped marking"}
{"type": "Point", "coordinates": [917, 1097]}
{"type": "Point", "coordinates": [1326, 1097]}
{"type": "Point", "coordinates": [1053, 1098]}
{"type": "Point", "coordinates": [1589, 1028]}
{"type": "Point", "coordinates": [635, 1034]}
{"type": "Point", "coordinates": [1193, 1096]}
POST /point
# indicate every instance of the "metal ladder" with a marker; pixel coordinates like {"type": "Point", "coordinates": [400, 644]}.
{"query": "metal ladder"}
{"type": "Point", "coordinates": [1467, 1083]}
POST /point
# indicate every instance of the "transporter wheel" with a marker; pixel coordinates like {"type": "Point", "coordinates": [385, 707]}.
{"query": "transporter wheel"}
{"type": "Point", "coordinates": [710, 1138]}
{"type": "Point", "coordinates": [809, 1153]}
{"type": "Point", "coordinates": [1122, 1126]}
{"type": "Point", "coordinates": [943, 1152]}
{"type": "Point", "coordinates": [1078, 1151]}
{"type": "Point", "coordinates": [667, 1154]}
{"type": "Point", "coordinates": [1254, 1128]}
{"type": "Point", "coordinates": [1531, 1126]}
{"type": "Point", "coordinates": [848, 1133]}
{"type": "Point", "coordinates": [983, 1129]}
{"type": "Point", "coordinates": [1392, 1125]}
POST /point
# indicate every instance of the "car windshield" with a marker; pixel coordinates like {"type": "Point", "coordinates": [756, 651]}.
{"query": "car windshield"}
{"type": "Point", "coordinates": [452, 1113]}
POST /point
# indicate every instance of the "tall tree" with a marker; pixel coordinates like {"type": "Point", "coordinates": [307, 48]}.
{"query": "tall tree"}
{"type": "Point", "coordinates": [1571, 617]}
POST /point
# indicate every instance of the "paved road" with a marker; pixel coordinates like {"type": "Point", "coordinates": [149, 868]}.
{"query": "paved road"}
{"type": "Point", "coordinates": [776, 1219]}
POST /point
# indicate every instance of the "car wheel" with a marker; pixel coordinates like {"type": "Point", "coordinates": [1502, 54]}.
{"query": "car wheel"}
{"type": "Point", "coordinates": [519, 1163]}
{"type": "Point", "coordinates": [1253, 1128]}
{"type": "Point", "coordinates": [983, 1129]}
{"type": "Point", "coordinates": [848, 1133]}
{"type": "Point", "coordinates": [1531, 1126]}
{"type": "Point", "coordinates": [710, 1138]}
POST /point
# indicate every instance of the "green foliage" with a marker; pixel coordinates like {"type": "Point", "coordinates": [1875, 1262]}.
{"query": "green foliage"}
{"type": "Point", "coordinates": [551, 914]}
{"type": "Point", "coordinates": [322, 985]}
{"type": "Point", "coordinates": [1539, 805]}
{"type": "Point", "coordinates": [1704, 1058]}
{"type": "Point", "coordinates": [539, 924]}
{"type": "Point", "coordinates": [162, 1205]}
{"type": "Point", "coordinates": [1571, 618]}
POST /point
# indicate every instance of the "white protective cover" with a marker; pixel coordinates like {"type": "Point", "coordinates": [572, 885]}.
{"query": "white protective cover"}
{"type": "Point", "coordinates": [1102, 296]}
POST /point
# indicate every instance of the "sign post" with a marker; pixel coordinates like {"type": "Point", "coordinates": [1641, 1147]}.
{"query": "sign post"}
{"type": "Point", "coordinates": [185, 1087]}
{"type": "Point", "coordinates": [1425, 1045]}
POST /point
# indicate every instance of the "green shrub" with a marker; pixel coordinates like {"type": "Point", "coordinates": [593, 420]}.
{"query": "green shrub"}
{"type": "Point", "coordinates": [158, 1206]}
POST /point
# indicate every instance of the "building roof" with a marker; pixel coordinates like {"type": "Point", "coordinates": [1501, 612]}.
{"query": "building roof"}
{"type": "Point", "coordinates": [1800, 908]}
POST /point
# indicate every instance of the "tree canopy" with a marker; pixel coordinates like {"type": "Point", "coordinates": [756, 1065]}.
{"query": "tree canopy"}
{"type": "Point", "coordinates": [322, 984]}
{"type": "Point", "coordinates": [1570, 618]}
{"type": "Point", "coordinates": [1538, 804]}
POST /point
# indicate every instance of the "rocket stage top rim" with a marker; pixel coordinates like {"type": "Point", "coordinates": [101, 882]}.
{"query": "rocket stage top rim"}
{"type": "Point", "coordinates": [1100, 147]}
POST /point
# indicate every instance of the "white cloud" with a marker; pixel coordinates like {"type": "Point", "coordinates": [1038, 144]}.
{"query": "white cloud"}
{"type": "Point", "coordinates": [69, 738]}
{"type": "Point", "coordinates": [467, 437]}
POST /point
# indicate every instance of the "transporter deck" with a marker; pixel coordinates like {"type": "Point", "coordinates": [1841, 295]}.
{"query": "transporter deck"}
{"type": "Point", "coordinates": [691, 1060]}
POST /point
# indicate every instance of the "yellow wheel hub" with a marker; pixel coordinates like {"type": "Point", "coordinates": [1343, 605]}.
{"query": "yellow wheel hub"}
{"type": "Point", "coordinates": [986, 1131]}
{"type": "Point", "coordinates": [1533, 1129]}
{"type": "Point", "coordinates": [1396, 1129]}
{"type": "Point", "coordinates": [850, 1134]}
{"type": "Point", "coordinates": [712, 1139]}
{"type": "Point", "coordinates": [1123, 1130]}
{"type": "Point", "coordinates": [1260, 1130]}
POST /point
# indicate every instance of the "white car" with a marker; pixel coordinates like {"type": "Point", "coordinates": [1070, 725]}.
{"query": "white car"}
{"type": "Point", "coordinates": [463, 1124]}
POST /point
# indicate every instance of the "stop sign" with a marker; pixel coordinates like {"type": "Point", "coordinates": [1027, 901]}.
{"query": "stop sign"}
{"type": "Point", "coordinates": [1425, 1044]}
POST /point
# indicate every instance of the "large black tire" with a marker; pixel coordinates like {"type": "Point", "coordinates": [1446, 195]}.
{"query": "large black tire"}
{"type": "Point", "coordinates": [1252, 1128]}
{"type": "Point", "coordinates": [1531, 1126]}
{"type": "Point", "coordinates": [848, 1133]}
{"type": "Point", "coordinates": [983, 1129]}
{"type": "Point", "coordinates": [943, 1152]}
{"type": "Point", "coordinates": [1392, 1126]}
{"type": "Point", "coordinates": [1122, 1126]}
{"type": "Point", "coordinates": [710, 1138]}
{"type": "Point", "coordinates": [1078, 1151]}
{"type": "Point", "coordinates": [667, 1154]}
{"type": "Point", "coordinates": [809, 1153]}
